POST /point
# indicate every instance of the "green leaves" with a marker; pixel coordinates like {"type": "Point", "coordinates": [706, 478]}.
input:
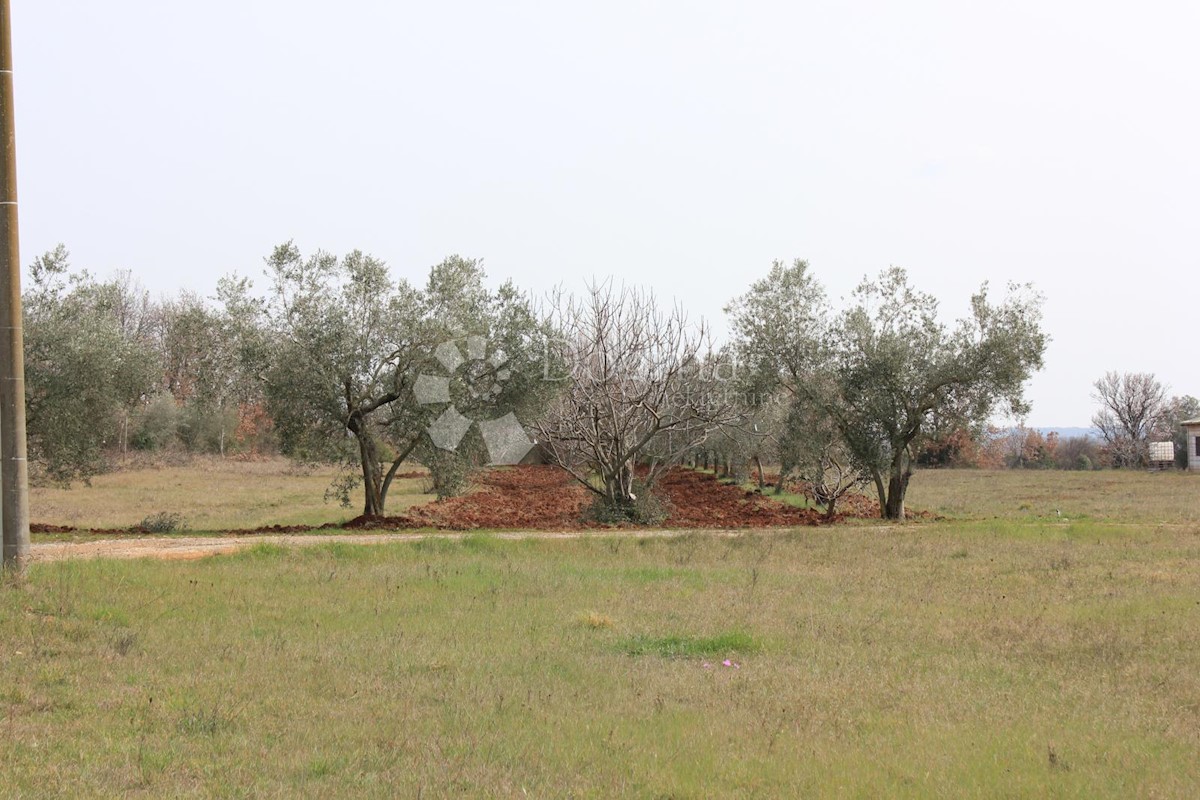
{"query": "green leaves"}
{"type": "Point", "coordinates": [885, 367]}
{"type": "Point", "coordinates": [349, 344]}
{"type": "Point", "coordinates": [89, 361]}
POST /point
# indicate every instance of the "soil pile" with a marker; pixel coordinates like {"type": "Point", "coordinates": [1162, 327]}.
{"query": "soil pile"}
{"type": "Point", "coordinates": [699, 500]}
{"type": "Point", "coordinates": [526, 497]}
{"type": "Point", "coordinates": [547, 499]}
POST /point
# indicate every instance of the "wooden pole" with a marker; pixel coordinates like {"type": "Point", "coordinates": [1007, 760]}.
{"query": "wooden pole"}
{"type": "Point", "coordinates": [14, 469]}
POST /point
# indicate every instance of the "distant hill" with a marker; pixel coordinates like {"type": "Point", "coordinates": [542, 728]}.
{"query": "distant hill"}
{"type": "Point", "coordinates": [1070, 433]}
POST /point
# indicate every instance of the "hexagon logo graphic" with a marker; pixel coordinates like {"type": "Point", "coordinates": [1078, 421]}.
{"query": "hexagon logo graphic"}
{"type": "Point", "coordinates": [506, 440]}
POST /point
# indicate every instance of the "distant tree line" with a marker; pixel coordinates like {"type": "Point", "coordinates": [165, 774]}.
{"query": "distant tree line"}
{"type": "Point", "coordinates": [1135, 411]}
{"type": "Point", "coordinates": [110, 371]}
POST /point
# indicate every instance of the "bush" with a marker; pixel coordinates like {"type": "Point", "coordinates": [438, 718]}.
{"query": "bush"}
{"type": "Point", "coordinates": [646, 509]}
{"type": "Point", "coordinates": [207, 430]}
{"type": "Point", "coordinates": [1079, 452]}
{"type": "Point", "coordinates": [450, 473]}
{"type": "Point", "coordinates": [163, 522]}
{"type": "Point", "coordinates": [156, 425]}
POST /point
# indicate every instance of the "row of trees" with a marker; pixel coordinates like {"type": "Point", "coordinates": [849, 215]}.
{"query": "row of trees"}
{"type": "Point", "coordinates": [322, 367]}
{"type": "Point", "coordinates": [871, 383]}
{"type": "Point", "coordinates": [107, 369]}
{"type": "Point", "coordinates": [340, 361]}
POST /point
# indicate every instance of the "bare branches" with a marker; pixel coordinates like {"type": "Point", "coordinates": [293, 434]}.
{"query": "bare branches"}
{"type": "Point", "coordinates": [635, 388]}
{"type": "Point", "coordinates": [1134, 408]}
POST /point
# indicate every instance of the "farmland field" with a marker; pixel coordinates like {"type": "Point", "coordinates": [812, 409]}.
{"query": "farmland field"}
{"type": "Point", "coordinates": [1042, 640]}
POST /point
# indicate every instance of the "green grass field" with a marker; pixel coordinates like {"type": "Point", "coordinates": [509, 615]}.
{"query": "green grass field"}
{"type": "Point", "coordinates": [1008, 654]}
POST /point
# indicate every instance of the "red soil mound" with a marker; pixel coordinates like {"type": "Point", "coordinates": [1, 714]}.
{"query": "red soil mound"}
{"type": "Point", "coordinates": [529, 497]}
{"type": "Point", "coordinates": [546, 498]}
{"type": "Point", "coordinates": [852, 505]}
{"type": "Point", "coordinates": [699, 500]}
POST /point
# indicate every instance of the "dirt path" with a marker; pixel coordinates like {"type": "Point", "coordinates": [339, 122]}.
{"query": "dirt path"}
{"type": "Point", "coordinates": [192, 547]}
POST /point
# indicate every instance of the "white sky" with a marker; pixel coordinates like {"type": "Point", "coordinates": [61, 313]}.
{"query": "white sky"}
{"type": "Point", "coordinates": [679, 145]}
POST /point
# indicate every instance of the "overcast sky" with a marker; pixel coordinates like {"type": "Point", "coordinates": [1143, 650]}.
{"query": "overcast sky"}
{"type": "Point", "coordinates": [678, 145]}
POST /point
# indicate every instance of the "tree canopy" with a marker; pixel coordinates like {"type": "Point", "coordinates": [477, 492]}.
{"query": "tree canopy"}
{"type": "Point", "coordinates": [89, 362]}
{"type": "Point", "coordinates": [404, 371]}
{"type": "Point", "coordinates": [885, 368]}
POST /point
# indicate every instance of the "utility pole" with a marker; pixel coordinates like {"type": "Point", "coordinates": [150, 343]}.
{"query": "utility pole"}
{"type": "Point", "coordinates": [14, 469]}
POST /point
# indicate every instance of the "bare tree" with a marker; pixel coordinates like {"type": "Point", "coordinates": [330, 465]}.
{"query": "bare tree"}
{"type": "Point", "coordinates": [1133, 409]}
{"type": "Point", "coordinates": [637, 387]}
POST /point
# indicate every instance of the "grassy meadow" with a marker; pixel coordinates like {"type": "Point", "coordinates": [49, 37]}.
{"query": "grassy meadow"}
{"type": "Point", "coordinates": [211, 495]}
{"type": "Point", "coordinates": [1141, 498]}
{"type": "Point", "coordinates": [1006, 653]}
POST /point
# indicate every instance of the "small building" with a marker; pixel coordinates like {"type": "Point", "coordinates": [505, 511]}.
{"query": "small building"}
{"type": "Point", "coordinates": [1192, 426]}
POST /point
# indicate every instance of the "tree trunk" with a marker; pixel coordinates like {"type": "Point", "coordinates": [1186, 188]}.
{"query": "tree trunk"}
{"type": "Point", "coordinates": [762, 482]}
{"type": "Point", "coordinates": [880, 491]}
{"type": "Point", "coordinates": [387, 480]}
{"type": "Point", "coordinates": [897, 487]}
{"type": "Point", "coordinates": [372, 480]}
{"type": "Point", "coordinates": [619, 487]}
{"type": "Point", "coordinates": [368, 455]}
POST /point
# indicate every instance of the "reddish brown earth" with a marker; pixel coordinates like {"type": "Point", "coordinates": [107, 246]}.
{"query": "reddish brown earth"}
{"type": "Point", "coordinates": [543, 498]}
{"type": "Point", "coordinates": [699, 500]}
{"type": "Point", "coordinates": [852, 505]}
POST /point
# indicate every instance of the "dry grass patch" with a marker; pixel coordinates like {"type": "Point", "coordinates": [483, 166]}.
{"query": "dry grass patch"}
{"type": "Point", "coordinates": [1112, 495]}
{"type": "Point", "coordinates": [210, 494]}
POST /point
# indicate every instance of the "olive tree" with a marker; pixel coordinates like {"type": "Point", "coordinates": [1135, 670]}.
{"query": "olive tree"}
{"type": "Point", "coordinates": [356, 356]}
{"type": "Point", "coordinates": [347, 342]}
{"type": "Point", "coordinates": [896, 368]}
{"type": "Point", "coordinates": [811, 448]}
{"type": "Point", "coordinates": [88, 362]}
{"type": "Point", "coordinates": [203, 371]}
{"type": "Point", "coordinates": [780, 331]}
{"type": "Point", "coordinates": [886, 367]}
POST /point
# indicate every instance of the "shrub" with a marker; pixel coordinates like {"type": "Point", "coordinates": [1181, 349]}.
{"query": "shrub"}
{"type": "Point", "coordinates": [156, 425]}
{"type": "Point", "coordinates": [205, 429]}
{"type": "Point", "coordinates": [163, 522]}
{"type": "Point", "coordinates": [646, 509]}
{"type": "Point", "coordinates": [449, 473]}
